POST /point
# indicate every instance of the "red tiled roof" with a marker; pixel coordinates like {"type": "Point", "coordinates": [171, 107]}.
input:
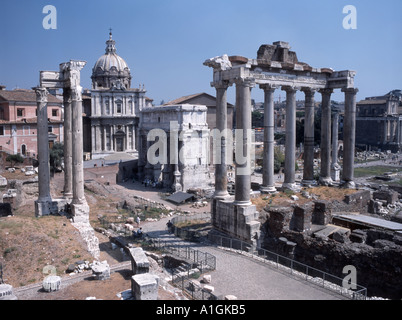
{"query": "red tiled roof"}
{"type": "Point", "coordinates": [25, 95]}
{"type": "Point", "coordinates": [184, 99]}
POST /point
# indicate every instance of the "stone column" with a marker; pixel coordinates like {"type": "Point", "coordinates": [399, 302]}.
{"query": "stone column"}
{"type": "Point", "coordinates": [308, 171]}
{"type": "Point", "coordinates": [68, 160]}
{"type": "Point", "coordinates": [42, 205]}
{"type": "Point", "coordinates": [93, 139]}
{"type": "Point", "coordinates": [221, 180]}
{"type": "Point", "coordinates": [243, 141]}
{"type": "Point", "coordinates": [325, 173]}
{"type": "Point", "coordinates": [334, 165]}
{"type": "Point", "coordinates": [268, 183]}
{"type": "Point", "coordinates": [290, 144]}
{"type": "Point", "coordinates": [78, 169]}
{"type": "Point", "coordinates": [349, 136]}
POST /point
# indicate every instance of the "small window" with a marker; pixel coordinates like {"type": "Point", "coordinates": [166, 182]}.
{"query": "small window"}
{"type": "Point", "coordinates": [50, 129]}
{"type": "Point", "coordinates": [119, 108]}
{"type": "Point", "coordinates": [20, 112]}
{"type": "Point", "coordinates": [55, 112]}
{"type": "Point", "coordinates": [1, 131]}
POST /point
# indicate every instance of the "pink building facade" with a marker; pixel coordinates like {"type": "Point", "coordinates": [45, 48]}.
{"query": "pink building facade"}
{"type": "Point", "coordinates": [18, 121]}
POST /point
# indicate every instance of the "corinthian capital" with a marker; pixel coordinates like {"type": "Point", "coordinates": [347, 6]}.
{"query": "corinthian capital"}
{"type": "Point", "coordinates": [350, 90]}
{"type": "Point", "coordinates": [245, 82]}
{"type": "Point", "coordinates": [41, 94]}
{"type": "Point", "coordinates": [223, 84]}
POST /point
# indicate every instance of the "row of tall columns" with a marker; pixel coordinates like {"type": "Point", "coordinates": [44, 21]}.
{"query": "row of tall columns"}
{"type": "Point", "coordinates": [243, 121]}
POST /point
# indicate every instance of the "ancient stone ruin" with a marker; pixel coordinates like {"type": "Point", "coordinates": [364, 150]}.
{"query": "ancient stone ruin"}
{"type": "Point", "coordinates": [276, 67]}
{"type": "Point", "coordinates": [68, 78]}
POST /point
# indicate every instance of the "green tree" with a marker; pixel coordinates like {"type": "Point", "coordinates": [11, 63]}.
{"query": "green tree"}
{"type": "Point", "coordinates": [56, 155]}
{"type": "Point", "coordinates": [14, 158]}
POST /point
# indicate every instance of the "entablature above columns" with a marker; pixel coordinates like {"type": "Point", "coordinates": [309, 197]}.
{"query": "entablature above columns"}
{"type": "Point", "coordinates": [314, 78]}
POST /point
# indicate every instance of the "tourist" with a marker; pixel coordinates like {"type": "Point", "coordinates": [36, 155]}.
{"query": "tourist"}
{"type": "Point", "coordinates": [138, 220]}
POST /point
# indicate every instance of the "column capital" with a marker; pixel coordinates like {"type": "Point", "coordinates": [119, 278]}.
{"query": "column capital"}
{"type": "Point", "coordinates": [245, 82]}
{"type": "Point", "coordinates": [308, 91]}
{"type": "Point", "coordinates": [76, 93]}
{"type": "Point", "coordinates": [326, 91]}
{"type": "Point", "coordinates": [290, 89]}
{"type": "Point", "coordinates": [41, 94]}
{"type": "Point", "coordinates": [350, 90]}
{"type": "Point", "coordinates": [223, 84]}
{"type": "Point", "coordinates": [268, 87]}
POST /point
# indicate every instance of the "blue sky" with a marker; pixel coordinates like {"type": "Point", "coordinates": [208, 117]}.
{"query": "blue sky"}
{"type": "Point", "coordinates": [165, 42]}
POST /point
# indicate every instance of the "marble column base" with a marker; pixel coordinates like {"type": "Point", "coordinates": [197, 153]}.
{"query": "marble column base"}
{"type": "Point", "coordinates": [325, 181]}
{"type": "Point", "coordinates": [291, 186]}
{"type": "Point", "coordinates": [43, 207]}
{"type": "Point", "coordinates": [267, 189]}
{"type": "Point", "coordinates": [221, 195]}
{"type": "Point", "coordinates": [348, 184]}
{"type": "Point", "coordinates": [308, 183]}
{"type": "Point", "coordinates": [80, 212]}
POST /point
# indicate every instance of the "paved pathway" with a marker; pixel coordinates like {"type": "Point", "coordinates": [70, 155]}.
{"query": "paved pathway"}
{"type": "Point", "coordinates": [244, 277]}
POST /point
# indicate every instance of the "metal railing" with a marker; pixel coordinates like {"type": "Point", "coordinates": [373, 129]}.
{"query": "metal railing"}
{"type": "Point", "coordinates": [203, 260]}
{"type": "Point", "coordinates": [295, 268]}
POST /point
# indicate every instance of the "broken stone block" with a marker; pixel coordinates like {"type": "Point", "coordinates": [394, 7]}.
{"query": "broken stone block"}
{"type": "Point", "coordinates": [139, 261]}
{"type": "Point", "coordinates": [145, 286]}
{"type": "Point", "coordinates": [209, 288]}
{"type": "Point", "coordinates": [389, 196]}
{"type": "Point", "coordinates": [100, 270]}
{"type": "Point", "coordinates": [206, 278]}
{"type": "Point", "coordinates": [341, 235]}
{"type": "Point", "coordinates": [230, 297]}
{"type": "Point", "coordinates": [194, 285]}
{"type": "Point", "coordinates": [302, 216]}
{"type": "Point", "coordinates": [51, 283]}
{"type": "Point", "coordinates": [6, 292]}
{"type": "Point", "coordinates": [358, 236]}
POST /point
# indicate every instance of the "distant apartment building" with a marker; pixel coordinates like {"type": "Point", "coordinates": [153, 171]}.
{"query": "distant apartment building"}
{"type": "Point", "coordinates": [18, 121]}
{"type": "Point", "coordinates": [379, 122]}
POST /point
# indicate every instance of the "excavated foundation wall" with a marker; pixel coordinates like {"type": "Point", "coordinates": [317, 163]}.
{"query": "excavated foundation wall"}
{"type": "Point", "coordinates": [376, 254]}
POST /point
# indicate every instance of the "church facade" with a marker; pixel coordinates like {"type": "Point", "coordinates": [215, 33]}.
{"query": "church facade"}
{"type": "Point", "coordinates": [115, 106]}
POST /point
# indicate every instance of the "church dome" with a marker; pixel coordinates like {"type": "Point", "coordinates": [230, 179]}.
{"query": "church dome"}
{"type": "Point", "coordinates": [110, 70]}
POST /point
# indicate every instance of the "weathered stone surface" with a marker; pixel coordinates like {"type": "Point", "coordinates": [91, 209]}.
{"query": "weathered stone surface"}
{"type": "Point", "coordinates": [6, 292]}
{"type": "Point", "coordinates": [302, 217]}
{"type": "Point", "coordinates": [206, 278]}
{"type": "Point", "coordinates": [139, 261]}
{"type": "Point", "coordinates": [209, 288]}
{"type": "Point", "coordinates": [388, 195]}
{"type": "Point", "coordinates": [101, 270]}
{"type": "Point", "coordinates": [358, 236]}
{"type": "Point", "coordinates": [145, 286]}
{"type": "Point", "coordinates": [51, 283]}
